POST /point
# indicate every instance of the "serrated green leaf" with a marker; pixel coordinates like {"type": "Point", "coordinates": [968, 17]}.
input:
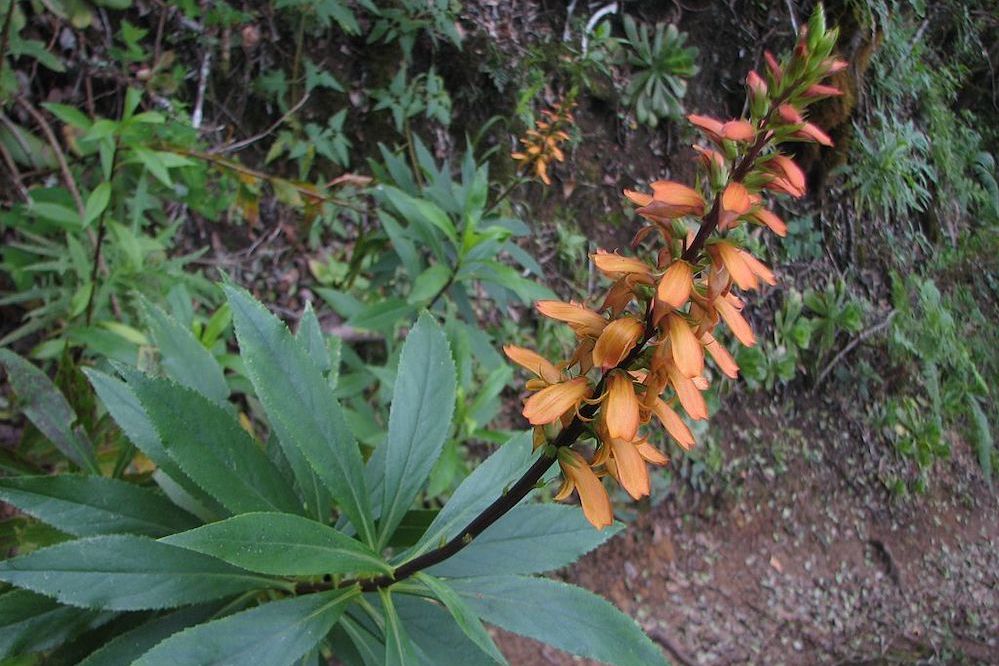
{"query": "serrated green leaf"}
{"type": "Point", "coordinates": [301, 408]}
{"type": "Point", "coordinates": [48, 410]}
{"type": "Point", "coordinates": [122, 572]}
{"type": "Point", "coordinates": [399, 648]}
{"type": "Point", "coordinates": [482, 487]}
{"type": "Point", "coordinates": [463, 616]}
{"type": "Point", "coordinates": [128, 413]}
{"type": "Point", "coordinates": [212, 449]}
{"type": "Point", "coordinates": [419, 420]}
{"type": "Point", "coordinates": [152, 161]}
{"type": "Point", "coordinates": [183, 357]}
{"type": "Point", "coordinates": [31, 622]}
{"type": "Point", "coordinates": [438, 638]}
{"type": "Point", "coordinates": [281, 544]}
{"type": "Point", "coordinates": [275, 633]}
{"type": "Point", "coordinates": [88, 506]}
{"type": "Point", "coordinates": [127, 647]}
{"type": "Point", "coordinates": [585, 624]}
{"type": "Point", "coordinates": [528, 539]}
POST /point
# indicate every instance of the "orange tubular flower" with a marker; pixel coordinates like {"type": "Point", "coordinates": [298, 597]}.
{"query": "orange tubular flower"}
{"type": "Point", "coordinates": [673, 424]}
{"type": "Point", "coordinates": [615, 266]}
{"type": "Point", "coordinates": [582, 320]}
{"type": "Point", "coordinates": [629, 468]}
{"type": "Point", "coordinates": [675, 284]}
{"type": "Point", "coordinates": [592, 495]}
{"type": "Point", "coordinates": [620, 409]}
{"type": "Point", "coordinates": [669, 201]}
{"type": "Point", "coordinates": [687, 352]}
{"type": "Point", "coordinates": [549, 404]}
{"type": "Point", "coordinates": [634, 372]}
{"type": "Point", "coordinates": [616, 341]}
{"type": "Point", "coordinates": [533, 362]}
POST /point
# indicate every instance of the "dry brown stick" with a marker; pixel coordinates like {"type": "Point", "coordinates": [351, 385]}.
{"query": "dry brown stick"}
{"type": "Point", "coordinates": [15, 175]}
{"type": "Point", "coordinates": [877, 328]}
{"type": "Point", "coordinates": [676, 651]}
{"type": "Point", "coordinates": [239, 145]}
{"type": "Point", "coordinates": [67, 175]}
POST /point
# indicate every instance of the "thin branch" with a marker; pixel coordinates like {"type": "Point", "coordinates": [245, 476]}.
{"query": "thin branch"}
{"type": "Point", "coordinates": [5, 34]}
{"type": "Point", "coordinates": [239, 145]}
{"type": "Point", "coordinates": [199, 103]}
{"type": "Point", "coordinates": [67, 175]}
{"type": "Point", "coordinates": [877, 328]}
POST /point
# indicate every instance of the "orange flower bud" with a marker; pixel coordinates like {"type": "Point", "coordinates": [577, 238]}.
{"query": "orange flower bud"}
{"type": "Point", "coordinates": [687, 352]}
{"type": "Point", "coordinates": [671, 200]}
{"type": "Point", "coordinates": [650, 453]}
{"type": "Point", "coordinates": [768, 219]}
{"type": "Point", "coordinates": [582, 320]}
{"type": "Point", "coordinates": [735, 130]}
{"type": "Point", "coordinates": [548, 404]}
{"type": "Point", "coordinates": [615, 266]}
{"type": "Point", "coordinates": [533, 362]}
{"type": "Point", "coordinates": [616, 341]}
{"type": "Point", "coordinates": [773, 66]}
{"type": "Point", "coordinates": [638, 198]}
{"type": "Point", "coordinates": [688, 394]}
{"type": "Point", "coordinates": [789, 174]}
{"type": "Point", "coordinates": [630, 468]}
{"type": "Point", "coordinates": [757, 86]}
{"type": "Point", "coordinates": [673, 424]}
{"type": "Point", "coordinates": [818, 91]}
{"type": "Point", "coordinates": [735, 202]}
{"type": "Point", "coordinates": [675, 284]}
{"type": "Point", "coordinates": [735, 321]}
{"type": "Point", "coordinates": [620, 409]}
{"type": "Point", "coordinates": [736, 266]}
{"type": "Point", "coordinates": [722, 358]}
{"type": "Point", "coordinates": [812, 133]}
{"type": "Point", "coordinates": [592, 494]}
{"type": "Point", "coordinates": [790, 115]}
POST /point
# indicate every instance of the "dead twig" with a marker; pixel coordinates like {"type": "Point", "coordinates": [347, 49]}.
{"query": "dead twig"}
{"type": "Point", "coordinates": [239, 145]}
{"type": "Point", "coordinates": [877, 328]}
{"type": "Point", "coordinates": [50, 136]}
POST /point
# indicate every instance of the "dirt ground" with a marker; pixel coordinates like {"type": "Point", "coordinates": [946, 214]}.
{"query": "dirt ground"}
{"type": "Point", "coordinates": [804, 557]}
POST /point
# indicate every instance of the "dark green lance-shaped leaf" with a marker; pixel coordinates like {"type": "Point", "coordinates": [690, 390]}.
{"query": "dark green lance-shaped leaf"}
{"type": "Point", "coordinates": [463, 615]}
{"type": "Point", "coordinates": [128, 413]}
{"type": "Point", "coordinates": [92, 505]}
{"type": "Point", "coordinates": [183, 357]}
{"type": "Point", "coordinates": [310, 335]}
{"type": "Point", "coordinates": [482, 487]}
{"type": "Point", "coordinates": [281, 544]}
{"type": "Point", "coordinates": [275, 633]}
{"type": "Point", "coordinates": [438, 638]}
{"type": "Point", "coordinates": [48, 410]}
{"type": "Point", "coordinates": [419, 420]}
{"type": "Point", "coordinates": [212, 448]}
{"type": "Point", "coordinates": [30, 622]}
{"type": "Point", "coordinates": [585, 624]}
{"type": "Point", "coordinates": [122, 572]}
{"type": "Point", "coordinates": [129, 646]}
{"type": "Point", "coordinates": [529, 539]}
{"type": "Point", "coordinates": [301, 407]}
{"type": "Point", "coordinates": [399, 648]}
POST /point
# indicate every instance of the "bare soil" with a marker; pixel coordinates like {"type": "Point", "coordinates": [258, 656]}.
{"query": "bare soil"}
{"type": "Point", "coordinates": [803, 557]}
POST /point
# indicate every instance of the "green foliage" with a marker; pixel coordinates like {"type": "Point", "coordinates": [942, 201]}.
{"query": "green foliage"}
{"type": "Point", "coordinates": [76, 261]}
{"type": "Point", "coordinates": [661, 65]}
{"type": "Point", "coordinates": [273, 586]}
{"type": "Point", "coordinates": [949, 390]}
{"type": "Point", "coordinates": [404, 20]}
{"type": "Point", "coordinates": [423, 94]}
{"type": "Point", "coordinates": [890, 173]}
{"type": "Point", "coordinates": [807, 328]}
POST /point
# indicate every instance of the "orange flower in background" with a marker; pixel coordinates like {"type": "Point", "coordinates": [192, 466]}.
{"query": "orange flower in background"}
{"type": "Point", "coordinates": [650, 345]}
{"type": "Point", "coordinates": [542, 144]}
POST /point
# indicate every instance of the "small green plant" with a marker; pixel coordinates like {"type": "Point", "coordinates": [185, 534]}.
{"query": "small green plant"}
{"type": "Point", "coordinates": [890, 173]}
{"type": "Point", "coordinates": [951, 392]}
{"type": "Point", "coordinates": [834, 311]}
{"type": "Point", "coordinates": [424, 94]}
{"type": "Point", "coordinates": [661, 65]}
{"type": "Point", "coordinates": [778, 360]}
